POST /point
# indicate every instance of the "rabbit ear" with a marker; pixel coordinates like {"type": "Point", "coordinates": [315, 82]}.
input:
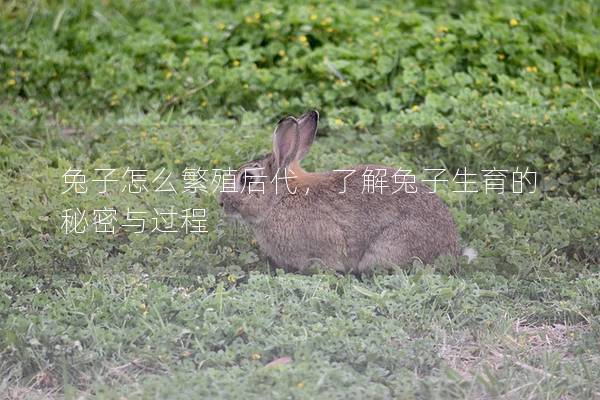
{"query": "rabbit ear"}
{"type": "Point", "coordinates": [307, 129]}
{"type": "Point", "coordinates": [285, 141]}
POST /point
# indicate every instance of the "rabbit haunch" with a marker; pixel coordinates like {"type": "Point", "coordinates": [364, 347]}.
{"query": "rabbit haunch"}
{"type": "Point", "coordinates": [351, 231]}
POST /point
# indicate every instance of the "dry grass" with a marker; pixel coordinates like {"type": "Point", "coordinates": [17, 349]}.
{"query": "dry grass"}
{"type": "Point", "coordinates": [470, 356]}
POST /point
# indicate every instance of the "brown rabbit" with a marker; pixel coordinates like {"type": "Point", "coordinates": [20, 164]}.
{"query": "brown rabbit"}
{"type": "Point", "coordinates": [300, 218]}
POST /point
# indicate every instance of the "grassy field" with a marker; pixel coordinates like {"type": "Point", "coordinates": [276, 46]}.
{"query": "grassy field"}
{"type": "Point", "coordinates": [166, 86]}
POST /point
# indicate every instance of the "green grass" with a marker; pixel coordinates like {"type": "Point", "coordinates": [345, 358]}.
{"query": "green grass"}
{"type": "Point", "coordinates": [90, 85]}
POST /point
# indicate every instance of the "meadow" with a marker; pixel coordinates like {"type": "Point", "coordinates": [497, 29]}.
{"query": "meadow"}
{"type": "Point", "coordinates": [166, 86]}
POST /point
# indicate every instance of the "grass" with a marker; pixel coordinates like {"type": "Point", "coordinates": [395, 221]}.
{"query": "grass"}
{"type": "Point", "coordinates": [90, 85]}
{"type": "Point", "coordinates": [409, 334]}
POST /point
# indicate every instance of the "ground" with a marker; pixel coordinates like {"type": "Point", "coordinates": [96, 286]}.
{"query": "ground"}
{"type": "Point", "coordinates": [506, 85]}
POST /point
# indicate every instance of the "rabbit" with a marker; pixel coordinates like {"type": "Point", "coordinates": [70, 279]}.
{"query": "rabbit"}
{"type": "Point", "coordinates": [300, 218]}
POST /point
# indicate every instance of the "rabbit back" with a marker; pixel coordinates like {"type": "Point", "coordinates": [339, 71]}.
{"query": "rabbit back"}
{"type": "Point", "coordinates": [332, 219]}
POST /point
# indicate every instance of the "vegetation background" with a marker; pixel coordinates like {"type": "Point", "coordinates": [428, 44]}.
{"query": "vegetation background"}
{"type": "Point", "coordinates": [413, 84]}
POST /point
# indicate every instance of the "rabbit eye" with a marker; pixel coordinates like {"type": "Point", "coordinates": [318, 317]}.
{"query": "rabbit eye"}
{"type": "Point", "coordinates": [246, 178]}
